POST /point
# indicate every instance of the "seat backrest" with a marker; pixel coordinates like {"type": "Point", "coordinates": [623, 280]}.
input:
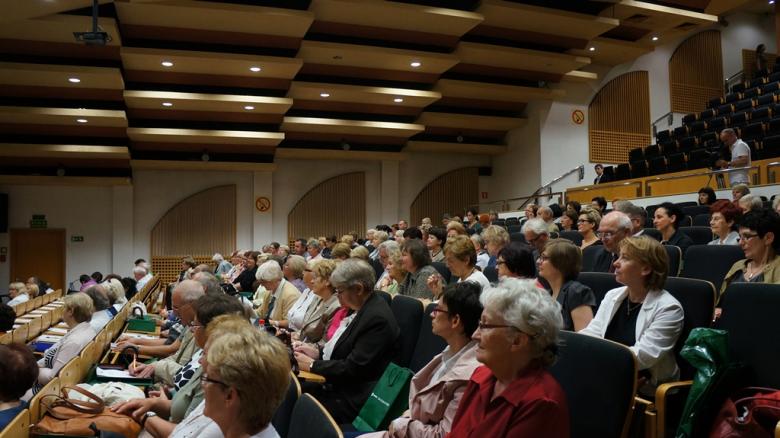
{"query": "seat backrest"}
{"type": "Point", "coordinates": [491, 273]}
{"type": "Point", "coordinates": [693, 210]}
{"type": "Point", "coordinates": [385, 296]}
{"type": "Point", "coordinates": [512, 221]}
{"type": "Point", "coordinates": [675, 259]}
{"type": "Point", "coordinates": [711, 262]}
{"type": "Point", "coordinates": [749, 314]}
{"type": "Point", "coordinates": [599, 282]}
{"type": "Point", "coordinates": [311, 419]}
{"type": "Point", "coordinates": [652, 232]}
{"type": "Point", "coordinates": [701, 220]}
{"type": "Point", "coordinates": [70, 374]}
{"type": "Point", "coordinates": [18, 427]}
{"type": "Point", "coordinates": [589, 255]}
{"type": "Point", "coordinates": [697, 298]}
{"type": "Point", "coordinates": [517, 237]}
{"type": "Point", "coordinates": [428, 344]}
{"type": "Point", "coordinates": [699, 235]}
{"type": "Point", "coordinates": [574, 236]}
{"type": "Point", "coordinates": [408, 313]}
{"type": "Point", "coordinates": [443, 270]}
{"type": "Point", "coordinates": [51, 388]}
{"type": "Point", "coordinates": [378, 268]}
{"type": "Point", "coordinates": [516, 228]}
{"type": "Point", "coordinates": [283, 414]}
{"type": "Point", "coordinates": [592, 392]}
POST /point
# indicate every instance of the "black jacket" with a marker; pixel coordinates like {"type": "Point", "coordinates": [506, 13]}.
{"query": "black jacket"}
{"type": "Point", "coordinates": [680, 240]}
{"type": "Point", "coordinates": [603, 260]}
{"type": "Point", "coordinates": [246, 279]}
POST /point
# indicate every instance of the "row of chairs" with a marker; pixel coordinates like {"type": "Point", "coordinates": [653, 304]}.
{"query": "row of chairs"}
{"type": "Point", "coordinates": [41, 300]}
{"type": "Point", "coordinates": [41, 318]}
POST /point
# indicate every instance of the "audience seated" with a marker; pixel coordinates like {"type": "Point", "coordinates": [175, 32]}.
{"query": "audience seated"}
{"type": "Point", "coordinates": [360, 252]}
{"type": "Point", "coordinates": [223, 266]}
{"type": "Point", "coordinates": [86, 282]}
{"type": "Point", "coordinates": [356, 356]}
{"type": "Point", "coordinates": [738, 191]}
{"type": "Point", "coordinates": [559, 266]}
{"type": "Point", "coordinates": [516, 260]}
{"type": "Point", "coordinates": [293, 270]}
{"type": "Point", "coordinates": [102, 315]}
{"type": "Point", "coordinates": [130, 287]}
{"type": "Point", "coordinates": [297, 312]}
{"type": "Point", "coordinates": [43, 287]}
{"type": "Point", "coordinates": [536, 234]}
{"type": "Point", "coordinates": [472, 220]}
{"type": "Point", "coordinates": [416, 260]}
{"type": "Point", "coordinates": [32, 290]}
{"type": "Point", "coordinates": [455, 228]}
{"type": "Point", "coordinates": [495, 238]}
{"type": "Point", "coordinates": [757, 231]}
{"type": "Point", "coordinates": [437, 238]}
{"type": "Point", "coordinates": [750, 202]}
{"type": "Point", "coordinates": [142, 276]}
{"type": "Point", "coordinates": [77, 314]}
{"type": "Point", "coordinates": [7, 318]}
{"type": "Point", "coordinates": [483, 258]}
{"type": "Point", "coordinates": [20, 372]}
{"type": "Point", "coordinates": [568, 220]}
{"type": "Point", "coordinates": [724, 217]}
{"type": "Point", "coordinates": [613, 228]}
{"type": "Point", "coordinates": [642, 315]}
{"type": "Point", "coordinates": [436, 390]}
{"type": "Point", "coordinates": [461, 258]}
{"type": "Point", "coordinates": [587, 224]}
{"type": "Point", "coordinates": [116, 293]}
{"type": "Point", "coordinates": [245, 280]}
{"type": "Point", "coordinates": [387, 250]}
{"type": "Point", "coordinates": [513, 395]}
{"type": "Point", "coordinates": [394, 273]}
{"type": "Point", "coordinates": [668, 218]}
{"type": "Point", "coordinates": [341, 251]}
{"type": "Point", "coordinates": [637, 214]}
{"type": "Point", "coordinates": [320, 311]}
{"type": "Point", "coordinates": [18, 293]}
{"type": "Point", "coordinates": [280, 294]}
{"type": "Point", "coordinates": [707, 196]}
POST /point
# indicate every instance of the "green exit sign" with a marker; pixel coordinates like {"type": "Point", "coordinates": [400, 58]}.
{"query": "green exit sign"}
{"type": "Point", "coordinates": [76, 238]}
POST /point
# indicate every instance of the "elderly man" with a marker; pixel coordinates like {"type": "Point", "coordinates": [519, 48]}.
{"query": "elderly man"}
{"type": "Point", "coordinates": [750, 202]}
{"type": "Point", "coordinates": [740, 157]}
{"type": "Point", "coordinates": [280, 294]}
{"type": "Point", "coordinates": [313, 249]}
{"type": "Point", "coordinates": [184, 296]}
{"type": "Point", "coordinates": [546, 214]}
{"type": "Point", "coordinates": [536, 234]}
{"type": "Point", "coordinates": [636, 214]}
{"type": "Point", "coordinates": [614, 227]}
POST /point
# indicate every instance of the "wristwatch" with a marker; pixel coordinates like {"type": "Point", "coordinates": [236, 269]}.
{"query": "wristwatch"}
{"type": "Point", "coordinates": [147, 415]}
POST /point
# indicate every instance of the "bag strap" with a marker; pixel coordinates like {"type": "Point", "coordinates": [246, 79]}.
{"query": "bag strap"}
{"type": "Point", "coordinates": [95, 406]}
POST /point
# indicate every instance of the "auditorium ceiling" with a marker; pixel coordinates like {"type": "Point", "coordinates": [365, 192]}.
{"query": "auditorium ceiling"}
{"type": "Point", "coordinates": [237, 84]}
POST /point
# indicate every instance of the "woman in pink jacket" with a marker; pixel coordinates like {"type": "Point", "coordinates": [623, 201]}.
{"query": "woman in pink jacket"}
{"type": "Point", "coordinates": [436, 389]}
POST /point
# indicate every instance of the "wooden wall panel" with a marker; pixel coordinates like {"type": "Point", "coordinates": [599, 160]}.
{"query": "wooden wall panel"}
{"type": "Point", "coordinates": [169, 267]}
{"type": "Point", "coordinates": [696, 72]}
{"type": "Point", "coordinates": [619, 118]}
{"type": "Point", "coordinates": [202, 224]}
{"type": "Point", "coordinates": [450, 193]}
{"type": "Point", "coordinates": [335, 206]}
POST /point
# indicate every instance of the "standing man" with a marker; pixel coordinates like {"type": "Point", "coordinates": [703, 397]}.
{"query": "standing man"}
{"type": "Point", "coordinates": [740, 157]}
{"type": "Point", "coordinates": [600, 177]}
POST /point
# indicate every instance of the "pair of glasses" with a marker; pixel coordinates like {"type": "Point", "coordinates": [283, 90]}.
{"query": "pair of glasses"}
{"type": "Point", "coordinates": [205, 379]}
{"type": "Point", "coordinates": [606, 234]}
{"type": "Point", "coordinates": [747, 237]}
{"type": "Point", "coordinates": [193, 325]}
{"type": "Point", "coordinates": [484, 326]}
{"type": "Point", "coordinates": [583, 221]}
{"type": "Point", "coordinates": [437, 309]}
{"type": "Point", "coordinates": [500, 262]}
{"type": "Point", "coordinates": [339, 290]}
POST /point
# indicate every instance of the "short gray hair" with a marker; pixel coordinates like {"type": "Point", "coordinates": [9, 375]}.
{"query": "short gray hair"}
{"type": "Point", "coordinates": [314, 243]}
{"type": "Point", "coordinates": [217, 257]}
{"type": "Point", "coordinates": [537, 226]}
{"type": "Point", "coordinates": [297, 265]}
{"type": "Point", "coordinates": [381, 235]}
{"type": "Point", "coordinates": [269, 271]}
{"type": "Point", "coordinates": [99, 297]}
{"type": "Point", "coordinates": [729, 131]}
{"type": "Point", "coordinates": [544, 209]}
{"type": "Point", "coordinates": [754, 201]}
{"type": "Point", "coordinates": [140, 270]}
{"type": "Point", "coordinates": [622, 221]}
{"type": "Point", "coordinates": [530, 309]}
{"type": "Point", "coordinates": [390, 246]}
{"type": "Point", "coordinates": [209, 283]}
{"type": "Point", "coordinates": [352, 272]}
{"type": "Point", "coordinates": [477, 239]}
{"type": "Point", "coordinates": [190, 291]}
{"type": "Point", "coordinates": [631, 209]}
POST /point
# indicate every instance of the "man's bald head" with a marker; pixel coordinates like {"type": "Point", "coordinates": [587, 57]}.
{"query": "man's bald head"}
{"type": "Point", "coordinates": [184, 295]}
{"type": "Point", "coordinates": [614, 227]}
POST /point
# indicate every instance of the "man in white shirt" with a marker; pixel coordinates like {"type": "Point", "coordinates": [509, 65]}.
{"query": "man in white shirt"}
{"type": "Point", "coordinates": [740, 157]}
{"type": "Point", "coordinates": [142, 276]}
{"type": "Point", "coordinates": [313, 250]}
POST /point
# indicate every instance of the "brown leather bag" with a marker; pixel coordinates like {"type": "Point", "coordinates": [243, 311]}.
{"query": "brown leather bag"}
{"type": "Point", "coordinates": [78, 418]}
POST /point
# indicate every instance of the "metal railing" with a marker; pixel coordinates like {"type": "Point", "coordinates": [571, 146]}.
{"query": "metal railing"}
{"type": "Point", "coordinates": [734, 79]}
{"type": "Point", "coordinates": [669, 121]}
{"type": "Point", "coordinates": [717, 174]}
{"type": "Point", "coordinates": [543, 192]}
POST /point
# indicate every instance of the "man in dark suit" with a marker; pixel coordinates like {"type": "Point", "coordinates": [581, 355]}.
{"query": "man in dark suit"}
{"type": "Point", "coordinates": [600, 176]}
{"type": "Point", "coordinates": [357, 359]}
{"type": "Point", "coordinates": [613, 228]}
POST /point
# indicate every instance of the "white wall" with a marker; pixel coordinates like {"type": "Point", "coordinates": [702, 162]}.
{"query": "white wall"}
{"type": "Point", "coordinates": [745, 31]}
{"type": "Point", "coordinates": [83, 211]}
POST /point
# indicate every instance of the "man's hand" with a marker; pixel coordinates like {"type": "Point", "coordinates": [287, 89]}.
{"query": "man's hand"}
{"type": "Point", "coordinates": [141, 370]}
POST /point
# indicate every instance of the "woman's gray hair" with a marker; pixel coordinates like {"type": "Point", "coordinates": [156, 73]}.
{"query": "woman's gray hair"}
{"type": "Point", "coordinates": [352, 272]}
{"type": "Point", "coordinates": [381, 235]}
{"type": "Point", "coordinates": [217, 258]}
{"type": "Point", "coordinates": [531, 310]}
{"type": "Point", "coordinates": [537, 226]}
{"type": "Point", "coordinates": [297, 265]}
{"type": "Point", "coordinates": [269, 271]}
{"type": "Point", "coordinates": [391, 247]}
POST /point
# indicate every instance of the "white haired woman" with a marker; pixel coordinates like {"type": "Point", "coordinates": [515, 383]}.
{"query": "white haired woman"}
{"type": "Point", "coordinates": [280, 294]}
{"type": "Point", "coordinates": [513, 394]}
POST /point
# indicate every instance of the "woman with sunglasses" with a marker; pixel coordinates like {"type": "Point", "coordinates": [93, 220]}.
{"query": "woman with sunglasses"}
{"type": "Point", "coordinates": [436, 390]}
{"type": "Point", "coordinates": [759, 238]}
{"type": "Point", "coordinates": [513, 394]}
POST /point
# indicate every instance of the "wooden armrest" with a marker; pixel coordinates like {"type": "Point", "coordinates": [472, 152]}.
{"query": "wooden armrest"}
{"type": "Point", "coordinates": [311, 377]}
{"type": "Point", "coordinates": [662, 394]}
{"type": "Point", "coordinates": [777, 430]}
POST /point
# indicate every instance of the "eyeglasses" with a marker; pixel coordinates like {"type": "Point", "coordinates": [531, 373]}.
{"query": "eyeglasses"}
{"type": "Point", "coordinates": [583, 221]}
{"type": "Point", "coordinates": [543, 257]}
{"type": "Point", "coordinates": [177, 309]}
{"type": "Point", "coordinates": [747, 237]}
{"type": "Point", "coordinates": [205, 379]}
{"type": "Point", "coordinates": [338, 290]}
{"type": "Point", "coordinates": [436, 310]}
{"type": "Point", "coordinates": [606, 234]}
{"type": "Point", "coordinates": [500, 262]}
{"type": "Point", "coordinates": [193, 325]}
{"type": "Point", "coordinates": [484, 326]}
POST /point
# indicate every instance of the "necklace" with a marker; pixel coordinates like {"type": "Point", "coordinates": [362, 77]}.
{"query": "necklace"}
{"type": "Point", "coordinates": [630, 308]}
{"type": "Point", "coordinates": [749, 275]}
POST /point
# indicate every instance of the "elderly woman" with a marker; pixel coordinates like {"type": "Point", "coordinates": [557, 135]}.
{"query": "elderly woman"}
{"type": "Point", "coordinates": [667, 220]}
{"type": "Point", "coordinates": [416, 260]}
{"type": "Point", "coordinates": [738, 191]}
{"type": "Point", "coordinates": [245, 280]}
{"type": "Point", "coordinates": [516, 260]}
{"type": "Point", "coordinates": [116, 294]}
{"type": "Point", "coordinates": [437, 388]}
{"type": "Point", "coordinates": [587, 224]}
{"type": "Point", "coordinates": [437, 238]}
{"type": "Point", "coordinates": [293, 270]}
{"type": "Point", "coordinates": [279, 297]}
{"type": "Point", "coordinates": [642, 315]}
{"type": "Point", "coordinates": [379, 238]}
{"type": "Point", "coordinates": [360, 252]}
{"type": "Point", "coordinates": [76, 315]}
{"type": "Point", "coordinates": [18, 293]}
{"type": "Point", "coordinates": [455, 228]}
{"type": "Point", "coordinates": [513, 395]}
{"type": "Point", "coordinates": [356, 356]}
{"type": "Point", "coordinates": [341, 251]}
{"type": "Point", "coordinates": [188, 392]}
{"type": "Point", "coordinates": [750, 202]}
{"type": "Point", "coordinates": [297, 312]}
{"type": "Point", "coordinates": [560, 264]}
{"type": "Point", "coordinates": [19, 371]}
{"type": "Point", "coordinates": [461, 258]}
{"type": "Point", "coordinates": [223, 266]}
{"type": "Point", "coordinates": [495, 239]}
{"type": "Point", "coordinates": [320, 312]}
{"type": "Point", "coordinates": [724, 216]}
{"type": "Point", "coordinates": [483, 258]}
{"type": "Point", "coordinates": [758, 238]}
{"type": "Point", "coordinates": [393, 275]}
{"type": "Point", "coordinates": [707, 196]}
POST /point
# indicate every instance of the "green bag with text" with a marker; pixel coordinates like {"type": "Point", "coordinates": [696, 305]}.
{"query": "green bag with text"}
{"type": "Point", "coordinates": [388, 400]}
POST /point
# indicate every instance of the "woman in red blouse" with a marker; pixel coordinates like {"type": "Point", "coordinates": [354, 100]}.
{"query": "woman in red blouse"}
{"type": "Point", "coordinates": [513, 395]}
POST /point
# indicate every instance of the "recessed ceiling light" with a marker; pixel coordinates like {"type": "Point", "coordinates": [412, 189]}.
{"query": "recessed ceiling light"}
{"type": "Point", "coordinates": [81, 120]}
{"type": "Point", "coordinates": [167, 104]}
{"type": "Point", "coordinates": [324, 94]}
{"type": "Point", "coordinates": [415, 64]}
{"type": "Point", "coordinates": [74, 80]}
{"type": "Point", "coordinates": [255, 69]}
{"type": "Point", "coordinates": [771, 2]}
{"type": "Point", "coordinates": [654, 38]}
{"type": "Point", "coordinates": [249, 107]}
{"type": "Point", "coordinates": [167, 64]}
{"type": "Point", "coordinates": [592, 49]}
{"type": "Point", "coordinates": [398, 100]}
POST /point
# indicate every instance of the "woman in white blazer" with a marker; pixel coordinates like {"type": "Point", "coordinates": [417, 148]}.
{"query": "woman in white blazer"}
{"type": "Point", "coordinates": [641, 314]}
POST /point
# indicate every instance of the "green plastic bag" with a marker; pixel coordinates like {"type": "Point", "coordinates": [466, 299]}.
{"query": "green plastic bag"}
{"type": "Point", "coordinates": [707, 350]}
{"type": "Point", "coordinates": [388, 400]}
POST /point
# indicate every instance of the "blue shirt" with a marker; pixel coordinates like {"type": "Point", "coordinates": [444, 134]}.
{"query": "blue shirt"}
{"type": "Point", "coordinates": [7, 415]}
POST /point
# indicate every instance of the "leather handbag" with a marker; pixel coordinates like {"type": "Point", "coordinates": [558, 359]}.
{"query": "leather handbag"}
{"type": "Point", "coordinates": [749, 417]}
{"type": "Point", "coordinates": [72, 417]}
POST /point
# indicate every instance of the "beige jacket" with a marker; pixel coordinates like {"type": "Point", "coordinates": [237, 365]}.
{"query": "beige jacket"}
{"type": "Point", "coordinates": [771, 272]}
{"type": "Point", "coordinates": [166, 369]}
{"type": "Point", "coordinates": [432, 405]}
{"type": "Point", "coordinates": [286, 295]}
{"type": "Point", "coordinates": [318, 317]}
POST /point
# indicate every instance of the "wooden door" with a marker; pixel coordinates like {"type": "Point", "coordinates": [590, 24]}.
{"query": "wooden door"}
{"type": "Point", "coordinates": [40, 253]}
